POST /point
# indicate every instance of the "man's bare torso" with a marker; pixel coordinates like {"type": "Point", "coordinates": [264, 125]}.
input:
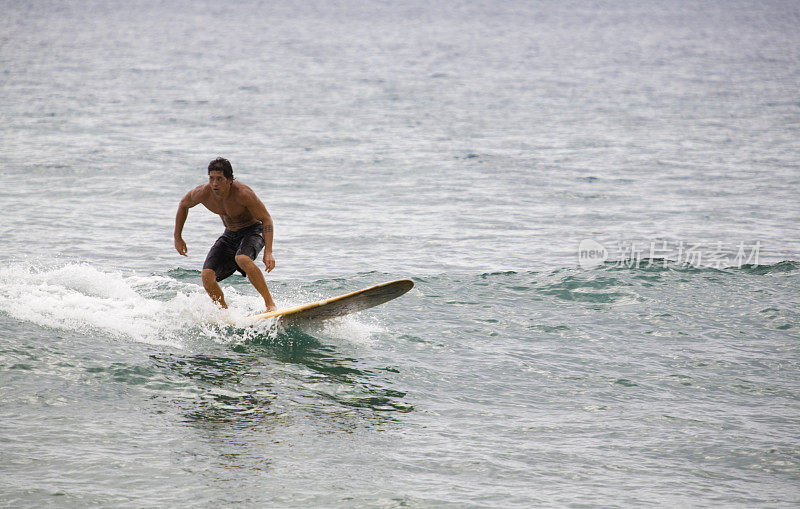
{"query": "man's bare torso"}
{"type": "Point", "coordinates": [234, 214]}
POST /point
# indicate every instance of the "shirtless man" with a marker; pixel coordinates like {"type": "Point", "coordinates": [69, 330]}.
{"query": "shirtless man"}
{"type": "Point", "coordinates": [248, 228]}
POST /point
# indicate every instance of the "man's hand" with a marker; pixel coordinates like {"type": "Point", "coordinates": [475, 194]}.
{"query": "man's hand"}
{"type": "Point", "coordinates": [269, 261]}
{"type": "Point", "coordinates": [180, 246]}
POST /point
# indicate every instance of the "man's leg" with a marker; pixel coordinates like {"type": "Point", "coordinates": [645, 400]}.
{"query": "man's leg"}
{"type": "Point", "coordinates": [256, 278]}
{"type": "Point", "coordinates": [209, 278]}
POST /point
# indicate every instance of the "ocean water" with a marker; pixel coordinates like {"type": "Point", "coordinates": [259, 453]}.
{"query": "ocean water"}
{"type": "Point", "coordinates": [598, 203]}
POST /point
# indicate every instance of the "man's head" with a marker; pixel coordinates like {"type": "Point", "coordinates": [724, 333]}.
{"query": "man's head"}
{"type": "Point", "coordinates": [220, 176]}
{"type": "Point", "coordinates": [223, 165]}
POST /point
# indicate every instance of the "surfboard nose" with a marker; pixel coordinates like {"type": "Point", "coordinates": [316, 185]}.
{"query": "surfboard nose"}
{"type": "Point", "coordinates": [344, 304]}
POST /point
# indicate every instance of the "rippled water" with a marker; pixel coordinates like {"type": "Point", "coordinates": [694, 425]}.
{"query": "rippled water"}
{"type": "Point", "coordinates": [613, 386]}
{"type": "Point", "coordinates": [470, 146]}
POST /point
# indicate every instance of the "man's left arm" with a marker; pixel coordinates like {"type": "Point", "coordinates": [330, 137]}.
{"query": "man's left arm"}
{"type": "Point", "coordinates": [269, 260]}
{"type": "Point", "coordinates": [259, 211]}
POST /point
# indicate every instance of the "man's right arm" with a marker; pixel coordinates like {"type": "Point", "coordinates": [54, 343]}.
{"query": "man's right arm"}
{"type": "Point", "coordinates": [191, 199]}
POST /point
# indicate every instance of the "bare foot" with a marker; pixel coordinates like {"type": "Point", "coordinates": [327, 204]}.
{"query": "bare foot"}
{"type": "Point", "coordinates": [271, 307]}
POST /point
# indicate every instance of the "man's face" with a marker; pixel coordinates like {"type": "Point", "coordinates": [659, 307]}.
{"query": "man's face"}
{"type": "Point", "coordinates": [219, 184]}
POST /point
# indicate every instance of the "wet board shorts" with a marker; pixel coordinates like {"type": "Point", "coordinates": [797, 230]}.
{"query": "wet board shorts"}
{"type": "Point", "coordinates": [222, 256]}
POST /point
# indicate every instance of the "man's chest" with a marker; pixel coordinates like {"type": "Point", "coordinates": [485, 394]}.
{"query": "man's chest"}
{"type": "Point", "coordinates": [228, 208]}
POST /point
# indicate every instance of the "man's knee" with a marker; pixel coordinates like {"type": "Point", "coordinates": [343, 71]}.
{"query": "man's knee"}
{"type": "Point", "coordinates": [244, 261]}
{"type": "Point", "coordinates": [208, 276]}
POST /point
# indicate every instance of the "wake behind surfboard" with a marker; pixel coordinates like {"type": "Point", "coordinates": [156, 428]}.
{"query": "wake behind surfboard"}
{"type": "Point", "coordinates": [343, 304]}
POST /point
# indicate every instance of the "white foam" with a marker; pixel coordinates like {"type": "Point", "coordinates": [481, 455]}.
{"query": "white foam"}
{"type": "Point", "coordinates": [355, 328]}
{"type": "Point", "coordinates": [81, 298]}
{"type": "Point", "coordinates": [151, 309]}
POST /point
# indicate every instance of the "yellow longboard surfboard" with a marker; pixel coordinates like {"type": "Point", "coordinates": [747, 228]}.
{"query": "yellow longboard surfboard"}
{"type": "Point", "coordinates": [344, 304]}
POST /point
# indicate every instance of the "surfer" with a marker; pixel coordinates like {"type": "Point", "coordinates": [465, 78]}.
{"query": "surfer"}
{"type": "Point", "coordinates": [248, 229]}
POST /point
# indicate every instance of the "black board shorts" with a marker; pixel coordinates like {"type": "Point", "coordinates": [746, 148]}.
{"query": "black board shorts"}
{"type": "Point", "coordinates": [222, 256]}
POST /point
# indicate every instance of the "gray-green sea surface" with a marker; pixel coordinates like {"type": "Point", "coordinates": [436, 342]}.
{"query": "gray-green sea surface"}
{"type": "Point", "coordinates": [597, 202]}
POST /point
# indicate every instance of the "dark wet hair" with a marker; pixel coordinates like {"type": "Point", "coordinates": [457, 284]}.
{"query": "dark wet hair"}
{"type": "Point", "coordinates": [223, 165]}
